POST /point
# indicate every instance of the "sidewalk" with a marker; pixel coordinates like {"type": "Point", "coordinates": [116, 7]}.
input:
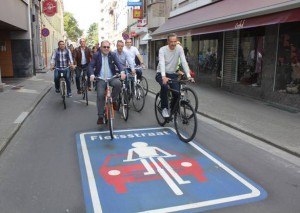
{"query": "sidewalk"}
{"type": "Point", "coordinates": [18, 100]}
{"type": "Point", "coordinates": [261, 120]}
{"type": "Point", "coordinates": [275, 126]}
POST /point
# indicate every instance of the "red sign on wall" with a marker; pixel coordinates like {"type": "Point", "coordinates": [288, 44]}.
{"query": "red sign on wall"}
{"type": "Point", "coordinates": [49, 7]}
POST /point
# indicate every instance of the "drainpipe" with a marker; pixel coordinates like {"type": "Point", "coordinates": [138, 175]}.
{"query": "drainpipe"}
{"type": "Point", "coordinates": [1, 84]}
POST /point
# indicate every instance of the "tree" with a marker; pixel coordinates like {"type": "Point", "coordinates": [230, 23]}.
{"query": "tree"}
{"type": "Point", "coordinates": [92, 35]}
{"type": "Point", "coordinates": [71, 27]}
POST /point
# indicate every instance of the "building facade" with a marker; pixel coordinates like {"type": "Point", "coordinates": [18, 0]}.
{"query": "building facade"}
{"type": "Point", "coordinates": [16, 58]}
{"type": "Point", "coordinates": [251, 49]}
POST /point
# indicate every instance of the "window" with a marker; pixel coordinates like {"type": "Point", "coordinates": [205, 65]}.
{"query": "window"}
{"type": "Point", "coordinates": [250, 56]}
{"type": "Point", "coordinates": [288, 61]}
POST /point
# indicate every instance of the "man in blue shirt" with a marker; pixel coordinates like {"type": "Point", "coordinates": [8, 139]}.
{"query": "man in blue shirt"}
{"type": "Point", "coordinates": [104, 62]}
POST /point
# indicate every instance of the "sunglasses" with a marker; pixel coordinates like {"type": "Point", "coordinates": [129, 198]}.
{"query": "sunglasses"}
{"type": "Point", "coordinates": [106, 47]}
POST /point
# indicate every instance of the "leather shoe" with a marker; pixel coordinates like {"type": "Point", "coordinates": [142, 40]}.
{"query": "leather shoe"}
{"type": "Point", "coordinates": [90, 89]}
{"type": "Point", "coordinates": [116, 106]}
{"type": "Point", "coordinates": [100, 120]}
{"type": "Point", "coordinates": [78, 92]}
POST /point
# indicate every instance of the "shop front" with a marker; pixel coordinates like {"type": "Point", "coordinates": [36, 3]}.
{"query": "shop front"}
{"type": "Point", "coordinates": [258, 56]}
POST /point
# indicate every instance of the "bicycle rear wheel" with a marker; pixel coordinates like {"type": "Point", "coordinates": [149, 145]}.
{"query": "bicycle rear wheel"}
{"type": "Point", "coordinates": [191, 97]}
{"type": "Point", "coordinates": [138, 98]}
{"type": "Point", "coordinates": [185, 122]}
{"type": "Point", "coordinates": [158, 110]}
{"type": "Point", "coordinates": [124, 103]}
{"type": "Point", "coordinates": [144, 84]}
{"type": "Point", "coordinates": [110, 119]}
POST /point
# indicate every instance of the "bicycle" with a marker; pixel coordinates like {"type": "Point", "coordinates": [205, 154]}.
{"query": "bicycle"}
{"type": "Point", "coordinates": [190, 95]}
{"type": "Point", "coordinates": [62, 84]}
{"type": "Point", "coordinates": [143, 82]}
{"type": "Point", "coordinates": [123, 101]}
{"type": "Point", "coordinates": [109, 113]}
{"type": "Point", "coordinates": [84, 85]}
{"type": "Point", "coordinates": [135, 92]}
{"type": "Point", "coordinates": [185, 118]}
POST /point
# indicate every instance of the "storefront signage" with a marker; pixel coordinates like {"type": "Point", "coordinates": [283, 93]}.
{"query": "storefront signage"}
{"type": "Point", "coordinates": [240, 24]}
{"type": "Point", "coordinates": [49, 7]}
{"type": "Point", "coordinates": [45, 32]}
{"type": "Point", "coordinates": [137, 13]}
{"type": "Point", "coordinates": [142, 22]}
{"type": "Point", "coordinates": [129, 3]}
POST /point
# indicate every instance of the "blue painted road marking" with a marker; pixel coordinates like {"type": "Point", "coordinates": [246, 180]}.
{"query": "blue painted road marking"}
{"type": "Point", "coordinates": [151, 170]}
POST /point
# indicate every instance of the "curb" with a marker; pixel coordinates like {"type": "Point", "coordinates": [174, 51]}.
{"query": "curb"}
{"type": "Point", "coordinates": [244, 131]}
{"type": "Point", "coordinates": [13, 128]}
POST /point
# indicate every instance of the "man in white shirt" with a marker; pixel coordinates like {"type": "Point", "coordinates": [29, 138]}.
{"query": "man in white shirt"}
{"type": "Point", "coordinates": [166, 69]}
{"type": "Point", "coordinates": [133, 52]}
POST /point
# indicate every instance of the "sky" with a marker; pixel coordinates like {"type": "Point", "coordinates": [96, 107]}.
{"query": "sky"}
{"type": "Point", "coordinates": [85, 11]}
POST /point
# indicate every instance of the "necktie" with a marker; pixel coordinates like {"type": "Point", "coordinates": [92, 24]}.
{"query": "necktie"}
{"type": "Point", "coordinates": [105, 67]}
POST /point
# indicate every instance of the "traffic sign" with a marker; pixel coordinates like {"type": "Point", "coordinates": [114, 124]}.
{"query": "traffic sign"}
{"type": "Point", "coordinates": [129, 3]}
{"type": "Point", "coordinates": [154, 169]}
{"type": "Point", "coordinates": [45, 32]}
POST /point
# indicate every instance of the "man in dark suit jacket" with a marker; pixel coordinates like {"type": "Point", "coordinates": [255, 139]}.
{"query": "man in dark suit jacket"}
{"type": "Point", "coordinates": [104, 63]}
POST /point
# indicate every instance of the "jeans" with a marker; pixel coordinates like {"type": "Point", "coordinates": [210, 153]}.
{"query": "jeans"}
{"type": "Point", "coordinates": [78, 71]}
{"type": "Point", "coordinates": [66, 72]}
{"type": "Point", "coordinates": [164, 90]}
{"type": "Point", "coordinates": [101, 87]}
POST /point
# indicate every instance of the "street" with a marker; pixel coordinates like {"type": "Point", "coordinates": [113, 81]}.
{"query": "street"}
{"type": "Point", "coordinates": [39, 170]}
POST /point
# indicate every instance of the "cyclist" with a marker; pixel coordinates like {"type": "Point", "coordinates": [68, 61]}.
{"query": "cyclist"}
{"type": "Point", "coordinates": [104, 63]}
{"type": "Point", "coordinates": [61, 59]}
{"type": "Point", "coordinates": [166, 69]}
{"type": "Point", "coordinates": [83, 56]}
{"type": "Point", "coordinates": [133, 52]}
{"type": "Point", "coordinates": [123, 56]}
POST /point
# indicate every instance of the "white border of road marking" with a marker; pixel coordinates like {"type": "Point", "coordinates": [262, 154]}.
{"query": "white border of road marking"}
{"type": "Point", "coordinates": [95, 195]}
{"type": "Point", "coordinates": [21, 117]}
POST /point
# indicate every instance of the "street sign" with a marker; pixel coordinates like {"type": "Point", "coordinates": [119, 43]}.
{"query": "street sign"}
{"type": "Point", "coordinates": [129, 3]}
{"type": "Point", "coordinates": [45, 32]}
{"type": "Point", "coordinates": [49, 7]}
{"type": "Point", "coordinates": [151, 170]}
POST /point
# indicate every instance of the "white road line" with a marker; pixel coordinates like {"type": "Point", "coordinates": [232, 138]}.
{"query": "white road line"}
{"type": "Point", "coordinates": [21, 117]}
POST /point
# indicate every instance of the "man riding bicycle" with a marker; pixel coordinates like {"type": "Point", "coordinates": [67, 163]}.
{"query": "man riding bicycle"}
{"type": "Point", "coordinates": [123, 56]}
{"type": "Point", "coordinates": [83, 56]}
{"type": "Point", "coordinates": [166, 69]}
{"type": "Point", "coordinates": [104, 63]}
{"type": "Point", "coordinates": [61, 59]}
{"type": "Point", "coordinates": [133, 52]}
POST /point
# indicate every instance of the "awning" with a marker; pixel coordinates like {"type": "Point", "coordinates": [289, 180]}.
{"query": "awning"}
{"type": "Point", "coordinates": [147, 37]}
{"type": "Point", "coordinates": [230, 15]}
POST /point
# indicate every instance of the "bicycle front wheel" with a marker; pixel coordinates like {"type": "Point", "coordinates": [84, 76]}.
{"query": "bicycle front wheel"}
{"type": "Point", "coordinates": [158, 110]}
{"type": "Point", "coordinates": [138, 98]}
{"type": "Point", "coordinates": [124, 104]}
{"type": "Point", "coordinates": [63, 92]}
{"type": "Point", "coordinates": [185, 122]}
{"type": "Point", "coordinates": [85, 91]}
{"type": "Point", "coordinates": [109, 112]}
{"type": "Point", "coordinates": [144, 84]}
{"type": "Point", "coordinates": [191, 97]}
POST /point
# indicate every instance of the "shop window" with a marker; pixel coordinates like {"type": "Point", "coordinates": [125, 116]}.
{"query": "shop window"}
{"type": "Point", "coordinates": [207, 56]}
{"type": "Point", "coordinates": [250, 57]}
{"type": "Point", "coordinates": [288, 61]}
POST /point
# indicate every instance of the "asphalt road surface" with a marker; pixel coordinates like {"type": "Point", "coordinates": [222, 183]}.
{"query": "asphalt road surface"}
{"type": "Point", "coordinates": [39, 170]}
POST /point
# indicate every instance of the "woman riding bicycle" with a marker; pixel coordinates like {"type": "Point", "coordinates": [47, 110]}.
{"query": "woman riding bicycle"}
{"type": "Point", "coordinates": [166, 69]}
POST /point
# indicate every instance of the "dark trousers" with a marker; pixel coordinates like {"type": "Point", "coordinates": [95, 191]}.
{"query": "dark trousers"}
{"type": "Point", "coordinates": [164, 90]}
{"type": "Point", "coordinates": [66, 72]}
{"type": "Point", "coordinates": [78, 71]}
